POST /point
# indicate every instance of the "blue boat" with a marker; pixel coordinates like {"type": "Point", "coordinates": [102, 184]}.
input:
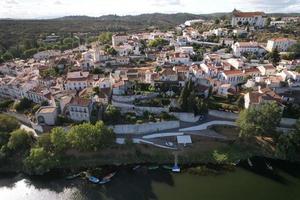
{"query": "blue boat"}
{"type": "Point", "coordinates": [176, 169]}
{"type": "Point", "coordinates": [94, 179]}
{"type": "Point", "coordinates": [103, 181]}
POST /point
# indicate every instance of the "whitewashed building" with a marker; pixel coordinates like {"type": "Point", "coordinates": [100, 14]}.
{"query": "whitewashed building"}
{"type": "Point", "coordinates": [257, 19]}
{"type": "Point", "coordinates": [282, 44]}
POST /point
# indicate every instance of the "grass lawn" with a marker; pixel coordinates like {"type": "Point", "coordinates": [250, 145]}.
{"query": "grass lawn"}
{"type": "Point", "coordinates": [230, 132]}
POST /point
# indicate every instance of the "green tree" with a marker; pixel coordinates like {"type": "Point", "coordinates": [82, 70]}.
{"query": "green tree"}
{"type": "Point", "coordinates": [8, 123]}
{"type": "Point", "coordinates": [158, 43]}
{"type": "Point", "coordinates": [44, 141]}
{"type": "Point", "coordinates": [58, 138]}
{"type": "Point", "coordinates": [260, 120]}
{"type": "Point", "coordinates": [217, 21]}
{"type": "Point", "coordinates": [288, 144]}
{"type": "Point", "coordinates": [29, 53]}
{"type": "Point", "coordinates": [7, 56]}
{"type": "Point", "coordinates": [20, 140]}
{"type": "Point", "coordinates": [274, 57]}
{"type": "Point", "coordinates": [40, 161]}
{"type": "Point", "coordinates": [105, 38]}
{"type": "Point", "coordinates": [219, 157]}
{"type": "Point", "coordinates": [88, 137]}
{"type": "Point", "coordinates": [295, 49]}
{"type": "Point", "coordinates": [24, 104]}
{"type": "Point", "coordinates": [111, 114]}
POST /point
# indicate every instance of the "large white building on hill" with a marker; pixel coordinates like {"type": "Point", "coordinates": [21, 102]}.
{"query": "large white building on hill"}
{"type": "Point", "coordinates": [257, 19]}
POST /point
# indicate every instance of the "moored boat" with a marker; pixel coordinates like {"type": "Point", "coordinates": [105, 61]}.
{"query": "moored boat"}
{"type": "Point", "coordinates": [93, 179]}
{"type": "Point", "coordinates": [103, 181]}
{"type": "Point", "coordinates": [269, 166]}
{"type": "Point", "coordinates": [176, 169]}
{"type": "Point", "coordinates": [136, 167]}
{"type": "Point", "coordinates": [109, 176]}
{"type": "Point", "coordinates": [73, 176]}
{"type": "Point", "coordinates": [167, 167]}
{"type": "Point", "coordinates": [250, 163]}
{"type": "Point", "coordinates": [153, 167]}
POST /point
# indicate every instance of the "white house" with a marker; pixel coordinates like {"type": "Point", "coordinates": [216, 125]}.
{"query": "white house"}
{"type": "Point", "coordinates": [119, 38]}
{"type": "Point", "coordinates": [286, 75]}
{"type": "Point", "coordinates": [77, 80]}
{"type": "Point", "coordinates": [79, 109]}
{"type": "Point", "coordinates": [168, 74]}
{"type": "Point", "coordinates": [246, 47]}
{"type": "Point", "coordinates": [282, 44]}
{"type": "Point", "coordinates": [236, 63]}
{"type": "Point", "coordinates": [267, 70]}
{"type": "Point", "coordinates": [46, 54]}
{"type": "Point", "coordinates": [257, 19]}
{"type": "Point", "coordinates": [255, 98]}
{"type": "Point", "coordinates": [179, 58]}
{"type": "Point", "coordinates": [46, 115]}
{"type": "Point", "coordinates": [232, 77]}
{"type": "Point", "coordinates": [223, 90]}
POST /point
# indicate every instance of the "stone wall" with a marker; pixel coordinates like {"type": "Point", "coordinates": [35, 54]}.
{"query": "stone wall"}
{"type": "Point", "coordinates": [145, 128]}
{"type": "Point", "coordinates": [186, 117]}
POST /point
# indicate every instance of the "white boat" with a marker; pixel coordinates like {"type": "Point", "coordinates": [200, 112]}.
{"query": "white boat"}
{"type": "Point", "coordinates": [269, 166]}
{"type": "Point", "coordinates": [176, 169]}
{"type": "Point", "coordinates": [250, 163]}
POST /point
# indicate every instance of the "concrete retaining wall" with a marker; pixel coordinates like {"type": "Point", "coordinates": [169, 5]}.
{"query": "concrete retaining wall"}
{"type": "Point", "coordinates": [131, 107]}
{"type": "Point", "coordinates": [186, 117]}
{"type": "Point", "coordinates": [131, 98]}
{"type": "Point", "coordinates": [145, 128]}
{"type": "Point", "coordinates": [222, 114]}
{"type": "Point", "coordinates": [287, 122]}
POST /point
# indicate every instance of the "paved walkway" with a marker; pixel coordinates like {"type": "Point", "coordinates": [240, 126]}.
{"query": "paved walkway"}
{"type": "Point", "coordinates": [207, 125]}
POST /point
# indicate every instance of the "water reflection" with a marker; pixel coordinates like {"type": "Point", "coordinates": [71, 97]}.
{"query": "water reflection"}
{"type": "Point", "coordinates": [159, 184]}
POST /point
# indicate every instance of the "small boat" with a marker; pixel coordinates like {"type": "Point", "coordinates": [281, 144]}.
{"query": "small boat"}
{"type": "Point", "coordinates": [167, 167]}
{"type": "Point", "coordinates": [236, 162]}
{"type": "Point", "coordinates": [136, 167]}
{"type": "Point", "coordinates": [176, 169]}
{"type": "Point", "coordinates": [269, 166]}
{"type": "Point", "coordinates": [109, 176]}
{"type": "Point", "coordinates": [73, 176]}
{"type": "Point", "coordinates": [250, 163]}
{"type": "Point", "coordinates": [153, 167]}
{"type": "Point", "coordinates": [103, 181]}
{"type": "Point", "coordinates": [94, 179]}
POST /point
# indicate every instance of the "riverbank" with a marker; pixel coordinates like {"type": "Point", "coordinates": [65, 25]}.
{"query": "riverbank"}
{"type": "Point", "coordinates": [204, 150]}
{"type": "Point", "coordinates": [280, 184]}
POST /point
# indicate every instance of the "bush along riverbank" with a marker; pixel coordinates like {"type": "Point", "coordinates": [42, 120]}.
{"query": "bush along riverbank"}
{"type": "Point", "coordinates": [91, 145]}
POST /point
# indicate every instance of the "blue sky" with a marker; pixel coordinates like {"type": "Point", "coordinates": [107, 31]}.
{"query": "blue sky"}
{"type": "Point", "coordinates": [57, 8]}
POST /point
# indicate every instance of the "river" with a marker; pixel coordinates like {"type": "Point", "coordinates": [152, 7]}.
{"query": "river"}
{"type": "Point", "coordinates": [283, 183]}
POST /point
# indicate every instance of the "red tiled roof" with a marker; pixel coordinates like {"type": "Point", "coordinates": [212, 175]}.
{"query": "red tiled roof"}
{"type": "Point", "coordinates": [248, 14]}
{"type": "Point", "coordinates": [232, 72]}
{"type": "Point", "coordinates": [77, 101]}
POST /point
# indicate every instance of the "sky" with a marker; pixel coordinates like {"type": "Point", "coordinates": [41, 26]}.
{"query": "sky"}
{"type": "Point", "coordinates": [27, 9]}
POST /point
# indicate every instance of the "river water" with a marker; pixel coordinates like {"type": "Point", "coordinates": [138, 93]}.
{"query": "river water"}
{"type": "Point", "coordinates": [283, 183]}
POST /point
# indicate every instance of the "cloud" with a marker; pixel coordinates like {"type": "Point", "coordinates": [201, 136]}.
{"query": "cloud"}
{"type": "Point", "coordinates": [269, 5]}
{"type": "Point", "coordinates": [166, 2]}
{"type": "Point", "coordinates": [58, 3]}
{"type": "Point", "coordinates": [11, 2]}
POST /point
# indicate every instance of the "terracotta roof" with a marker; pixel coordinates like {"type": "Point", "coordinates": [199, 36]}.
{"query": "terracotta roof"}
{"type": "Point", "coordinates": [232, 72]}
{"type": "Point", "coordinates": [77, 101]}
{"type": "Point", "coordinates": [168, 72]}
{"type": "Point", "coordinates": [248, 44]}
{"type": "Point", "coordinates": [248, 14]}
{"type": "Point", "coordinates": [265, 94]}
{"type": "Point", "coordinates": [73, 76]}
{"type": "Point", "coordinates": [282, 40]}
{"type": "Point", "coordinates": [252, 70]}
{"type": "Point", "coordinates": [269, 67]}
